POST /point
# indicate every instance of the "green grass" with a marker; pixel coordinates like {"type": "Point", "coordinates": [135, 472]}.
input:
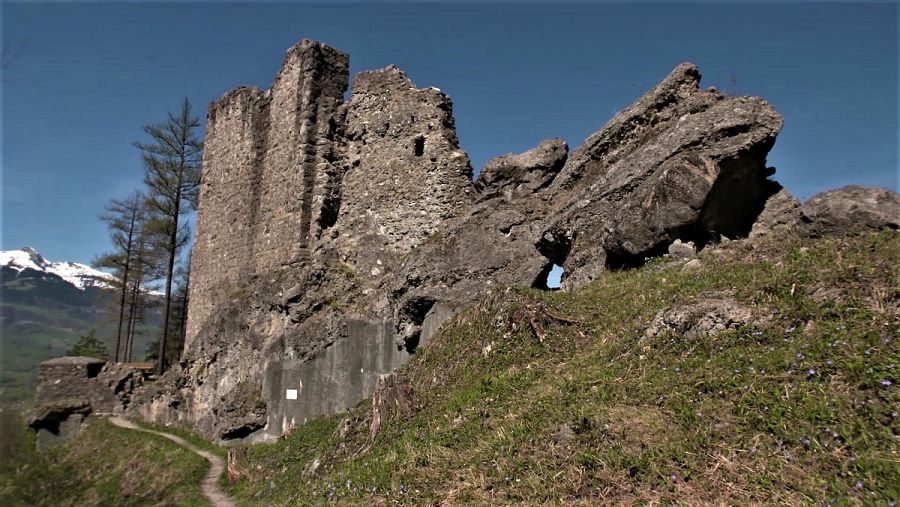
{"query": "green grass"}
{"type": "Point", "coordinates": [193, 438]}
{"type": "Point", "coordinates": [104, 465]}
{"type": "Point", "coordinates": [791, 409]}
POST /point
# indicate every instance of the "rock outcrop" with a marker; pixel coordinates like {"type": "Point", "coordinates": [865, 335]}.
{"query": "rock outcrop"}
{"type": "Point", "coordinates": [334, 239]}
{"type": "Point", "coordinates": [850, 209]}
{"type": "Point", "coordinates": [680, 163]}
{"type": "Point", "coordinates": [525, 173]}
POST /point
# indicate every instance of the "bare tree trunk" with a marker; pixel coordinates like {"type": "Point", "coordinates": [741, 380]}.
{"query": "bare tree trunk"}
{"type": "Point", "coordinates": [170, 271]}
{"type": "Point", "coordinates": [124, 284]}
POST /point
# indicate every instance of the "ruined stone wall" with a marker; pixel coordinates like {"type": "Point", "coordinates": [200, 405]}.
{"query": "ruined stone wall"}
{"type": "Point", "coordinates": [70, 388]}
{"type": "Point", "coordinates": [231, 181]}
{"type": "Point", "coordinates": [334, 239]}
{"type": "Point", "coordinates": [268, 170]}
{"type": "Point", "coordinates": [300, 159]}
{"type": "Point", "coordinates": [407, 174]}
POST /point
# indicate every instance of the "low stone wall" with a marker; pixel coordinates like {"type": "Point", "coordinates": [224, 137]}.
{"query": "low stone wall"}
{"type": "Point", "coordinates": [71, 388]}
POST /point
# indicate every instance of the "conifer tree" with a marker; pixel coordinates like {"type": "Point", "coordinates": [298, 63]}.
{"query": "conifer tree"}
{"type": "Point", "coordinates": [172, 175]}
{"type": "Point", "coordinates": [89, 346]}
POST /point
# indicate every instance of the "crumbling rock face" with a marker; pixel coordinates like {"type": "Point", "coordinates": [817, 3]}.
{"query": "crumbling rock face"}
{"type": "Point", "coordinates": [680, 163]}
{"type": "Point", "coordinates": [58, 421]}
{"type": "Point", "coordinates": [850, 209]}
{"type": "Point", "coordinates": [334, 239]}
{"type": "Point", "coordinates": [525, 173]}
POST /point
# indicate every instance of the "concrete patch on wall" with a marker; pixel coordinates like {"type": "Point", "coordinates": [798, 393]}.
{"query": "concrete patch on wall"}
{"type": "Point", "coordinates": [339, 378]}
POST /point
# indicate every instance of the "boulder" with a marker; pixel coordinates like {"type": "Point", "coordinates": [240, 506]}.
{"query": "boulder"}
{"type": "Point", "coordinates": [781, 213]}
{"type": "Point", "coordinates": [702, 318]}
{"type": "Point", "coordinates": [850, 209]}
{"type": "Point", "coordinates": [682, 251]}
{"type": "Point", "coordinates": [525, 173]}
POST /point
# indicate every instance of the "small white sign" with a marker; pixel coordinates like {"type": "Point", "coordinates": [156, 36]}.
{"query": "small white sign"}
{"type": "Point", "coordinates": [291, 394]}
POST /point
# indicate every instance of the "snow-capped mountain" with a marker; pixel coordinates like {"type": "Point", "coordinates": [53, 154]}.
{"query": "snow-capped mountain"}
{"type": "Point", "coordinates": [79, 275]}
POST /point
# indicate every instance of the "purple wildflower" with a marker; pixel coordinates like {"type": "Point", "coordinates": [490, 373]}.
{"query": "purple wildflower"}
{"type": "Point", "coordinates": [858, 485]}
{"type": "Point", "coordinates": [673, 477]}
{"type": "Point", "coordinates": [753, 450]}
{"type": "Point", "coordinates": [810, 372]}
{"type": "Point", "coordinates": [800, 356]}
{"type": "Point", "coordinates": [886, 382]}
{"type": "Point", "coordinates": [852, 459]}
{"type": "Point", "coordinates": [829, 362]}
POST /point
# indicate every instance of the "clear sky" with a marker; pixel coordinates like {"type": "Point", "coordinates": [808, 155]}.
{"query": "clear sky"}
{"type": "Point", "coordinates": [87, 76]}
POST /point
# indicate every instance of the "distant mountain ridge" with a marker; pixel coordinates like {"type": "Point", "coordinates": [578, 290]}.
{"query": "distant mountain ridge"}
{"type": "Point", "coordinates": [79, 275]}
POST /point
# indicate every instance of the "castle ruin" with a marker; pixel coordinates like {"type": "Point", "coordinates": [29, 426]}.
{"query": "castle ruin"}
{"type": "Point", "coordinates": [334, 238]}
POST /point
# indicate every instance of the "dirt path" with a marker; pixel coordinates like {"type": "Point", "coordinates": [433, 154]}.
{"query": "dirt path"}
{"type": "Point", "coordinates": [210, 483]}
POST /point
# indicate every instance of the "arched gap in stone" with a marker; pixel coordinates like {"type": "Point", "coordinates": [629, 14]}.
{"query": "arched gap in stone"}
{"type": "Point", "coordinates": [549, 277]}
{"type": "Point", "coordinates": [555, 277]}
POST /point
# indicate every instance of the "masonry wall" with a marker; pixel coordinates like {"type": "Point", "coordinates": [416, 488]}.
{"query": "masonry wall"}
{"type": "Point", "coordinates": [229, 194]}
{"type": "Point", "coordinates": [269, 163]}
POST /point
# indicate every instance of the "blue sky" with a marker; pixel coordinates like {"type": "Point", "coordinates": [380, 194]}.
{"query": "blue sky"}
{"type": "Point", "coordinates": [89, 75]}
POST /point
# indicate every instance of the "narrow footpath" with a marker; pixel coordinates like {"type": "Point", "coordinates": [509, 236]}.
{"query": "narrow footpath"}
{"type": "Point", "coordinates": [210, 483]}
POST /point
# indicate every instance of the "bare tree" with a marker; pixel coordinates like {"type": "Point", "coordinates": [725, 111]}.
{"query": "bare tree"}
{"type": "Point", "coordinates": [125, 220]}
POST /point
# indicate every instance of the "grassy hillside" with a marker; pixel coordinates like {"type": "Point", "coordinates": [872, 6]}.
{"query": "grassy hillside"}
{"type": "Point", "coordinates": [542, 397]}
{"type": "Point", "coordinates": [104, 465]}
{"type": "Point", "coordinates": [586, 398]}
